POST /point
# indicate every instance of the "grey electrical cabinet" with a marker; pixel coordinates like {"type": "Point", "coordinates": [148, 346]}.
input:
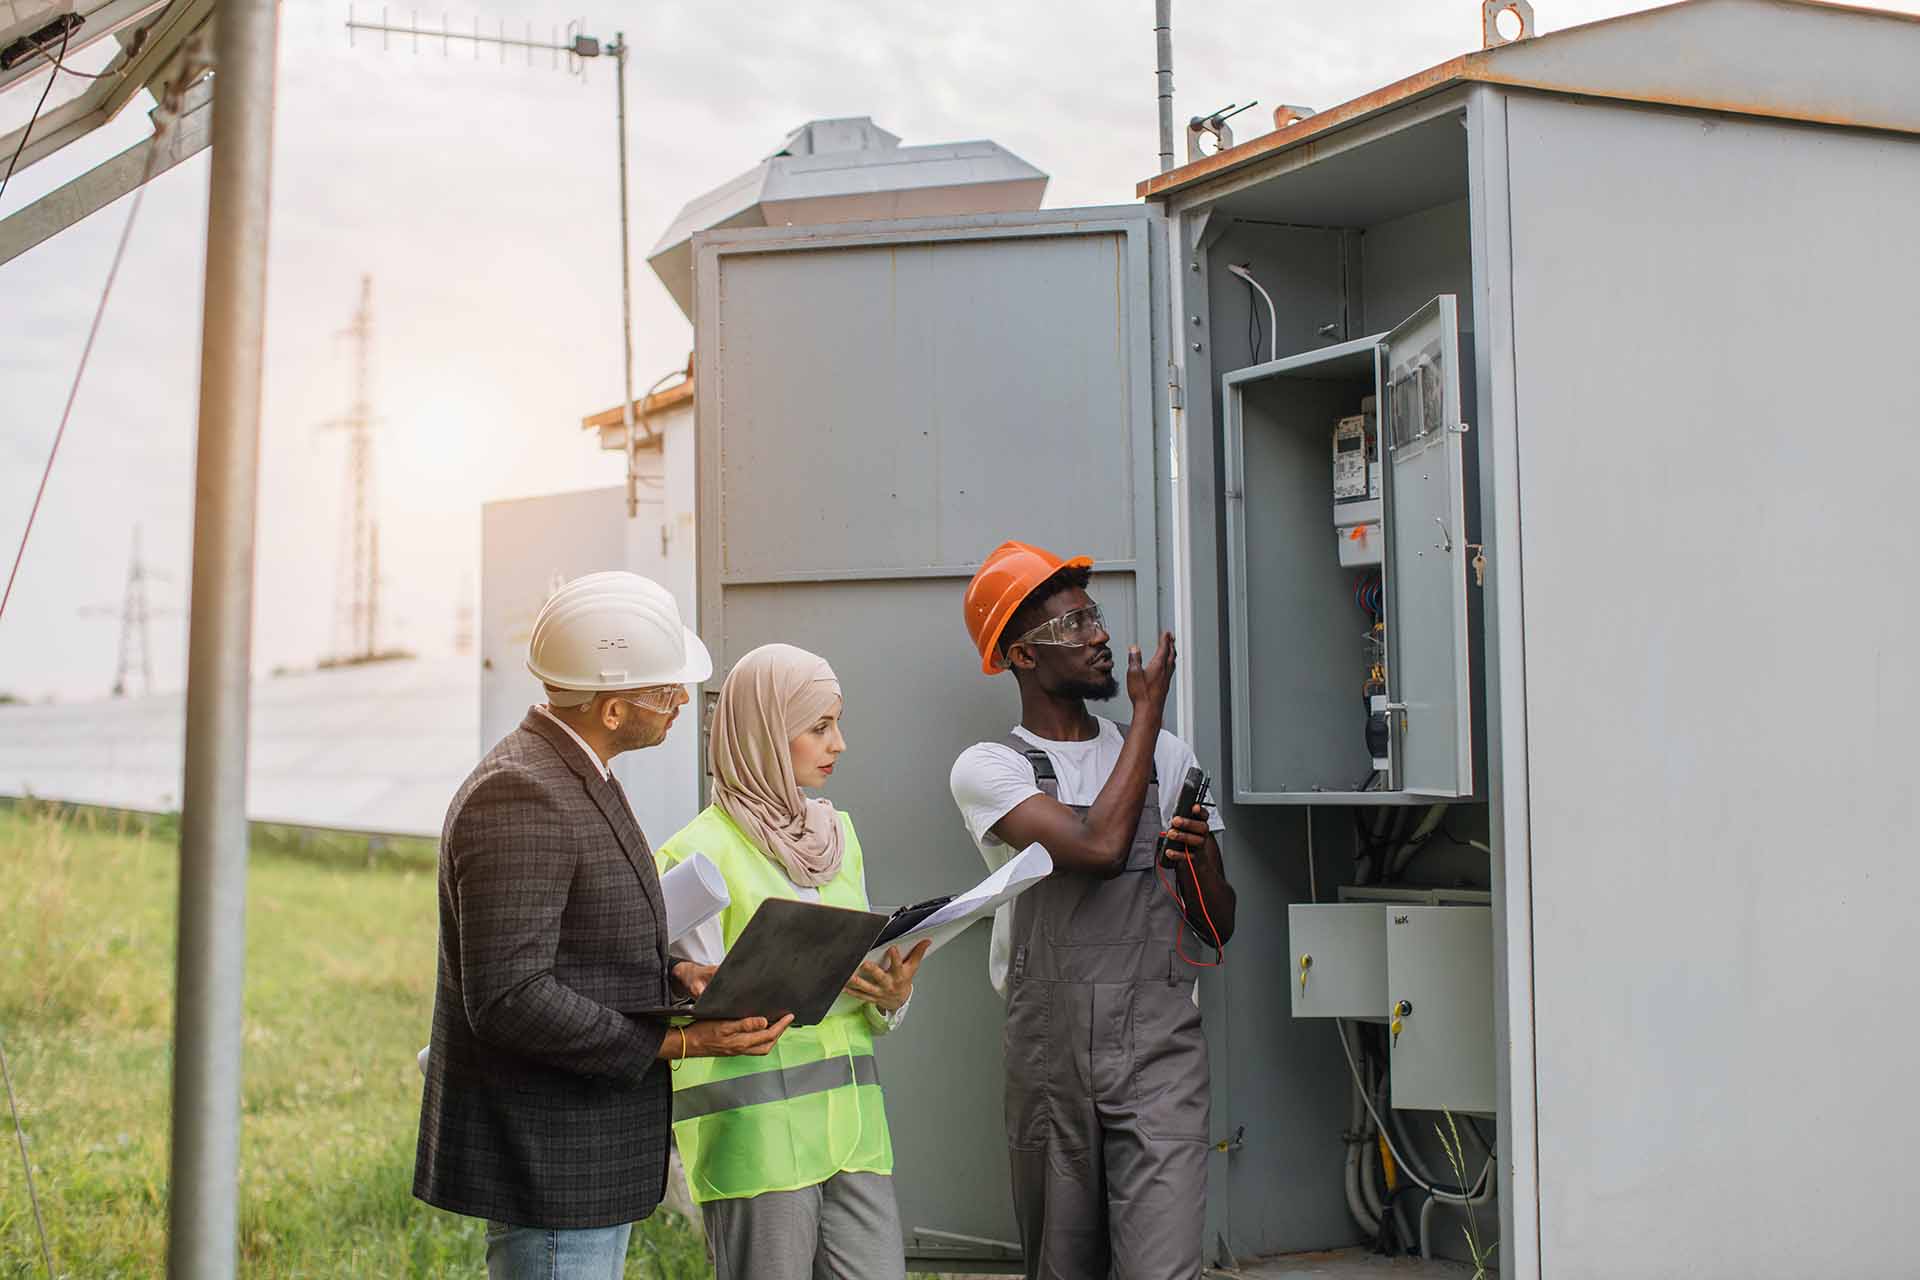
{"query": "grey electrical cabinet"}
{"type": "Point", "coordinates": [1292, 588]}
{"type": "Point", "coordinates": [1644, 575]}
{"type": "Point", "coordinates": [878, 405]}
{"type": "Point", "coordinates": [1662, 661]}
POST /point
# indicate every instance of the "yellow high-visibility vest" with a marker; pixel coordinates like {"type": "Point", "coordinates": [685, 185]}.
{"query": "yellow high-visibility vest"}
{"type": "Point", "coordinates": [812, 1107]}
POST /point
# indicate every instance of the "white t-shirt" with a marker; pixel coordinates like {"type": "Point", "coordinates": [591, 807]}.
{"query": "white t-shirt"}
{"type": "Point", "coordinates": [990, 779]}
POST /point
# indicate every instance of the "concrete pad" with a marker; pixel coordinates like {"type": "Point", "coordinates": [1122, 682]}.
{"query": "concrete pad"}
{"type": "Point", "coordinates": [1344, 1264]}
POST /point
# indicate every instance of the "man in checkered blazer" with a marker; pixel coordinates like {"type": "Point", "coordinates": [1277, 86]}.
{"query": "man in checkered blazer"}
{"type": "Point", "coordinates": [547, 1110]}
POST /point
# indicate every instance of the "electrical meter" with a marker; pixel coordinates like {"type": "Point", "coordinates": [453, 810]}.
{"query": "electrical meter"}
{"type": "Point", "coordinates": [1350, 459]}
{"type": "Point", "coordinates": [1356, 488]}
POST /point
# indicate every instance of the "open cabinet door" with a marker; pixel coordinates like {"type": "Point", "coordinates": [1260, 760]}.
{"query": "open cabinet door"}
{"type": "Point", "coordinates": [1427, 656]}
{"type": "Point", "coordinates": [878, 406]}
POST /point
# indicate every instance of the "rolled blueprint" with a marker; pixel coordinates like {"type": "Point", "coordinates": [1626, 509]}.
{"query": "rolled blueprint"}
{"type": "Point", "coordinates": [695, 894]}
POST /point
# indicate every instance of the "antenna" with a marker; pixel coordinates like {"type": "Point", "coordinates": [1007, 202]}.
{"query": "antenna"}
{"type": "Point", "coordinates": [576, 47]}
{"type": "Point", "coordinates": [358, 601]}
{"type": "Point", "coordinates": [134, 612]}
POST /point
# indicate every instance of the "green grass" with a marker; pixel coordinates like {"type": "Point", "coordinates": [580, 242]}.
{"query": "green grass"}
{"type": "Point", "coordinates": [339, 994]}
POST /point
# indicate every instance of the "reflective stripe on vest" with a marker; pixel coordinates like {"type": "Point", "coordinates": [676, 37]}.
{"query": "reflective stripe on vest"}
{"type": "Point", "coordinates": [774, 1086]}
{"type": "Point", "coordinates": [812, 1107]}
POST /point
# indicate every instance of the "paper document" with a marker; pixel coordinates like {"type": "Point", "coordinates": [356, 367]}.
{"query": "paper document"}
{"type": "Point", "coordinates": [695, 893]}
{"type": "Point", "coordinates": [1019, 873]}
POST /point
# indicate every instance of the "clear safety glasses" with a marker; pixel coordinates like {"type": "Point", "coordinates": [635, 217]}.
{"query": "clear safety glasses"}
{"type": "Point", "coordinates": [659, 698]}
{"type": "Point", "coordinates": [1070, 630]}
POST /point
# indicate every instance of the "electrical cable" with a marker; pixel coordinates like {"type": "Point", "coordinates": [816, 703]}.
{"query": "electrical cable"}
{"type": "Point", "coordinates": [1253, 327]}
{"type": "Point", "coordinates": [26, 1162]}
{"type": "Point", "coordinates": [1273, 338]}
{"type": "Point", "coordinates": [54, 58]}
{"type": "Point", "coordinates": [161, 124]}
{"type": "Point", "coordinates": [27, 132]}
{"type": "Point", "coordinates": [1313, 878]}
{"type": "Point", "coordinates": [1448, 1197]}
{"type": "Point", "coordinates": [1446, 833]}
{"type": "Point", "coordinates": [1173, 891]}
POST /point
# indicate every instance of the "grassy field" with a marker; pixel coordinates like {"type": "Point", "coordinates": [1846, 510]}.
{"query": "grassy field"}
{"type": "Point", "coordinates": [340, 959]}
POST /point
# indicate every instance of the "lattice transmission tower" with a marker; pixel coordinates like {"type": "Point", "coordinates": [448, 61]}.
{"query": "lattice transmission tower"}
{"type": "Point", "coordinates": [135, 611]}
{"type": "Point", "coordinates": [357, 600]}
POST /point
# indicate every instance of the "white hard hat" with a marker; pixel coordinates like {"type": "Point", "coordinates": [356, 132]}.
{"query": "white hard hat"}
{"type": "Point", "coordinates": [614, 630]}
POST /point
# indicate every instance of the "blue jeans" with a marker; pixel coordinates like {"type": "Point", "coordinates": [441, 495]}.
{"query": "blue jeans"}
{"type": "Point", "coordinates": [536, 1253]}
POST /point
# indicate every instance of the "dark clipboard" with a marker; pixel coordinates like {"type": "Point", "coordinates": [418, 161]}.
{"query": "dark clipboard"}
{"type": "Point", "coordinates": [906, 919]}
{"type": "Point", "coordinates": [793, 957]}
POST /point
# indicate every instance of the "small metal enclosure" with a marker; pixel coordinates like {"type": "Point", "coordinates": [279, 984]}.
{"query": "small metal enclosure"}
{"type": "Point", "coordinates": [1288, 598]}
{"type": "Point", "coordinates": [1669, 238]}
{"type": "Point", "coordinates": [1428, 954]}
{"type": "Point", "coordinates": [1440, 993]}
{"type": "Point", "coordinates": [1340, 960]}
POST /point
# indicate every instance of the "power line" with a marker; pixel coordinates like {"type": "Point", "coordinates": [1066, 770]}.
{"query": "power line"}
{"type": "Point", "coordinates": [161, 125]}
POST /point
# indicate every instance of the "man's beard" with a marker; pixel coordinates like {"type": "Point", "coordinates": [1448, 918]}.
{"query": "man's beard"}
{"type": "Point", "coordinates": [1090, 690]}
{"type": "Point", "coordinates": [640, 733]}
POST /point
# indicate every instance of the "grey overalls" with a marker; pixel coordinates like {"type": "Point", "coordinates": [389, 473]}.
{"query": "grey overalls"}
{"type": "Point", "coordinates": [1106, 1070]}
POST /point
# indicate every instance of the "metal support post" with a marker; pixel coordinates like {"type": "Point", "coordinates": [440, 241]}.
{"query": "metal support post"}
{"type": "Point", "coordinates": [619, 52]}
{"type": "Point", "coordinates": [204, 1186]}
{"type": "Point", "coordinates": [1163, 77]}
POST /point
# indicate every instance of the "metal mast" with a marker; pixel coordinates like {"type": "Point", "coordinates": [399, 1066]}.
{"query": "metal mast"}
{"type": "Point", "coordinates": [204, 1179]}
{"type": "Point", "coordinates": [577, 47]}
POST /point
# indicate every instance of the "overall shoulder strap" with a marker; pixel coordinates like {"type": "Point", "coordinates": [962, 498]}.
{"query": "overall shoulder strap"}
{"type": "Point", "coordinates": [1040, 762]}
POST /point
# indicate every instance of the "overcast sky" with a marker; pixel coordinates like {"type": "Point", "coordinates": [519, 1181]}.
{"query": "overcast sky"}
{"type": "Point", "coordinates": [482, 200]}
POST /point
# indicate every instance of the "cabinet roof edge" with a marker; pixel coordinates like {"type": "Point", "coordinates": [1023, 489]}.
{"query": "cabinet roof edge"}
{"type": "Point", "coordinates": [1769, 58]}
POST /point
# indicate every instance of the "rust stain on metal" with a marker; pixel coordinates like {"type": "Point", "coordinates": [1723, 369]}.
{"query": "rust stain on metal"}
{"type": "Point", "coordinates": [1311, 127]}
{"type": "Point", "coordinates": [1478, 68]}
{"type": "Point", "coordinates": [678, 393]}
{"type": "Point", "coordinates": [1727, 106]}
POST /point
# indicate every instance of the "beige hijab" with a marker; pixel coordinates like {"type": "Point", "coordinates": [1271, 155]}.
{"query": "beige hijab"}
{"type": "Point", "coordinates": [770, 697]}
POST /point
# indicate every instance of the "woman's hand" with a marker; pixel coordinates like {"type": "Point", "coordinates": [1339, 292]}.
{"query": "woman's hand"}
{"type": "Point", "coordinates": [887, 987]}
{"type": "Point", "coordinates": [691, 977]}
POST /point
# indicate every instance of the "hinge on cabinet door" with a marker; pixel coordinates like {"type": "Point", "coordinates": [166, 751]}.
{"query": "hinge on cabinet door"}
{"type": "Point", "coordinates": [1173, 385]}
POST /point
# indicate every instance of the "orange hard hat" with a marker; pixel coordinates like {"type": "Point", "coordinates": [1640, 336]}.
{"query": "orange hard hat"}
{"type": "Point", "coordinates": [1006, 578]}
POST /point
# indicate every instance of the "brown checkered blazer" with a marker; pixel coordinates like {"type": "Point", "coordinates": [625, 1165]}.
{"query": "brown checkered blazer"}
{"type": "Point", "coordinates": [545, 1106]}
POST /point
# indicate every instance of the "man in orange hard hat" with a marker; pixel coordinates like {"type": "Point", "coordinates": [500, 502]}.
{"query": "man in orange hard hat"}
{"type": "Point", "coordinates": [1106, 1090]}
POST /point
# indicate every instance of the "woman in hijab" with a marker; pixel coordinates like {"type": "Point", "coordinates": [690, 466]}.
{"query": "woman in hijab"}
{"type": "Point", "coordinates": [788, 1155]}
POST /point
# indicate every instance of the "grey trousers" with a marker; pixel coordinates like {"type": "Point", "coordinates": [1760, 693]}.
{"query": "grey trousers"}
{"type": "Point", "coordinates": [846, 1228]}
